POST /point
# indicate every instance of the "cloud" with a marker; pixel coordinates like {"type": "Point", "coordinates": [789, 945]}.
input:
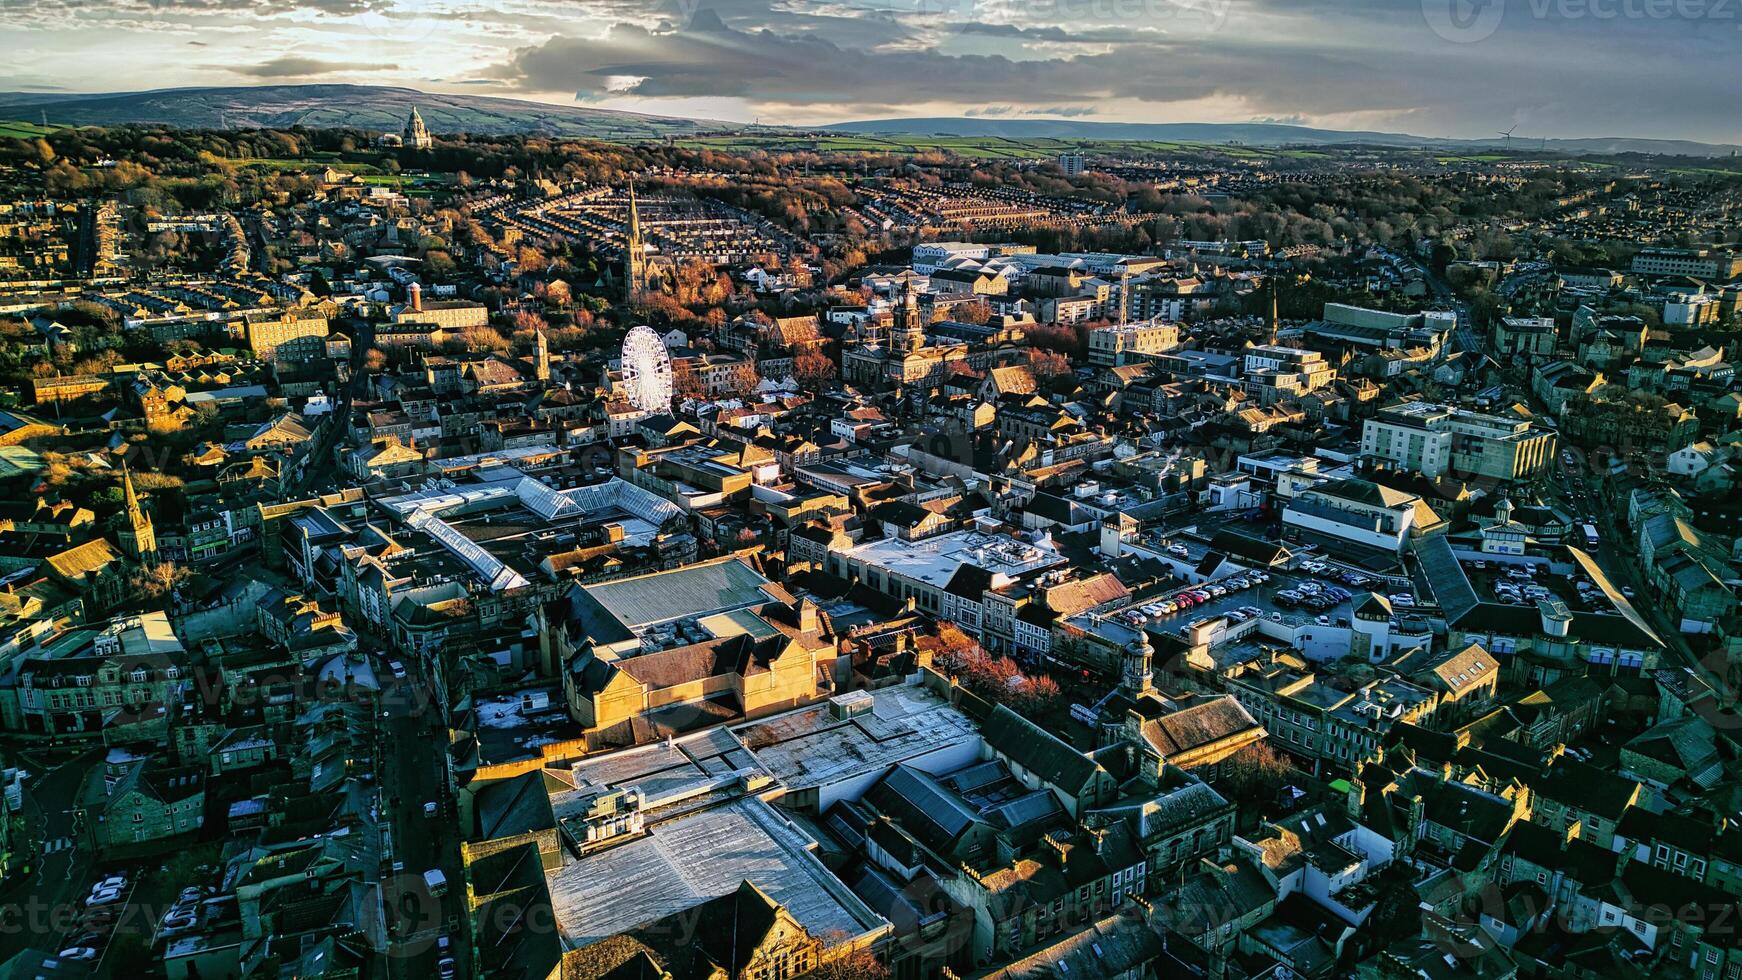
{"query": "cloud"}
{"type": "Point", "coordinates": [1055, 35]}
{"type": "Point", "coordinates": [291, 66]}
{"type": "Point", "coordinates": [1332, 63]}
{"type": "Point", "coordinates": [1274, 58]}
{"type": "Point", "coordinates": [38, 11]}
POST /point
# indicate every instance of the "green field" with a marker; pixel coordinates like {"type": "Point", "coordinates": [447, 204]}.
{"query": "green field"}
{"type": "Point", "coordinates": [370, 173]}
{"type": "Point", "coordinates": [10, 129]}
{"type": "Point", "coordinates": [307, 163]}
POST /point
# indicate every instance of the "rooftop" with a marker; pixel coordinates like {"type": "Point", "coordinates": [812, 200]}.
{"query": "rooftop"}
{"type": "Point", "coordinates": [683, 862]}
{"type": "Point", "coordinates": [811, 747]}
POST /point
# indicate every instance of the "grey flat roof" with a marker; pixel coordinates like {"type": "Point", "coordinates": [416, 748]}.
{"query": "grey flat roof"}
{"type": "Point", "coordinates": [810, 747]}
{"type": "Point", "coordinates": [684, 862]}
{"type": "Point", "coordinates": [715, 586]}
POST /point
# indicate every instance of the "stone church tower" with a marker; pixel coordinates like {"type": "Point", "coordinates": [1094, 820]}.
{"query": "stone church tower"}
{"type": "Point", "coordinates": [540, 356]}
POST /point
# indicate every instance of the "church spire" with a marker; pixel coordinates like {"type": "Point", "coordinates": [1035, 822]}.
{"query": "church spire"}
{"type": "Point", "coordinates": [633, 257]}
{"type": "Point", "coordinates": [139, 538]}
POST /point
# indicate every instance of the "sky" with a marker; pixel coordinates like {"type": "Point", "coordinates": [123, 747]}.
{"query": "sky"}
{"type": "Point", "coordinates": [1456, 68]}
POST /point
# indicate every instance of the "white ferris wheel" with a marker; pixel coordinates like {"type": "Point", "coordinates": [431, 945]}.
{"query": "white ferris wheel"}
{"type": "Point", "coordinates": [646, 370]}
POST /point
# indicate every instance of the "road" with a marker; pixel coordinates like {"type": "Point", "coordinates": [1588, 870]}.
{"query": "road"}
{"type": "Point", "coordinates": [415, 771]}
{"type": "Point", "coordinates": [1582, 494]}
{"type": "Point", "coordinates": [36, 909]}
{"type": "Point", "coordinates": [320, 459]}
{"type": "Point", "coordinates": [87, 247]}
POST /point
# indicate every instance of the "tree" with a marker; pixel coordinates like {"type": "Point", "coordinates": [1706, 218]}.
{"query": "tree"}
{"type": "Point", "coordinates": [996, 679]}
{"type": "Point", "coordinates": [155, 581]}
{"type": "Point", "coordinates": [857, 965]}
{"type": "Point", "coordinates": [482, 339]}
{"type": "Point", "coordinates": [1256, 774]}
{"type": "Point", "coordinates": [813, 368]}
{"type": "Point", "coordinates": [1048, 364]}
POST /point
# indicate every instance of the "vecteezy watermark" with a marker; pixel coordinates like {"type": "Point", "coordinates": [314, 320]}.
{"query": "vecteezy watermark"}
{"type": "Point", "coordinates": [1464, 21]}
{"type": "Point", "coordinates": [1470, 21]}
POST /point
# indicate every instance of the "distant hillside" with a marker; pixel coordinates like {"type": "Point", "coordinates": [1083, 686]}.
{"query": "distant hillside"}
{"type": "Point", "coordinates": [362, 106]}
{"type": "Point", "coordinates": [1260, 134]}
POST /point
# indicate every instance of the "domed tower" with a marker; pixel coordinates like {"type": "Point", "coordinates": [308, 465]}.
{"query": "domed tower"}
{"type": "Point", "coordinates": [1135, 667]}
{"type": "Point", "coordinates": [416, 134]}
{"type": "Point", "coordinates": [909, 324]}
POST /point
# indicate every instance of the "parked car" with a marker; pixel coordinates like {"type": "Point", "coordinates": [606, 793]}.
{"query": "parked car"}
{"type": "Point", "coordinates": [81, 953]}
{"type": "Point", "coordinates": [104, 897]}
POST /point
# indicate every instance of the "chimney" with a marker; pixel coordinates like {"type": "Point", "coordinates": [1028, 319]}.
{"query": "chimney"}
{"type": "Point", "coordinates": [807, 615]}
{"type": "Point", "coordinates": [414, 293]}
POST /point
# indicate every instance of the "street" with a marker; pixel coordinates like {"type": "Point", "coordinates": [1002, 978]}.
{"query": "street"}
{"type": "Point", "coordinates": [36, 909]}
{"type": "Point", "coordinates": [414, 771]}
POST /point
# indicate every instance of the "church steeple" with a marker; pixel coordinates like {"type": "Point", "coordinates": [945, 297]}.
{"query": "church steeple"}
{"type": "Point", "coordinates": [139, 538]}
{"type": "Point", "coordinates": [633, 256]}
{"type": "Point", "coordinates": [540, 356]}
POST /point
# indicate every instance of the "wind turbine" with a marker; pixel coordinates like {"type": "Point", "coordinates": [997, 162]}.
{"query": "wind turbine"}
{"type": "Point", "coordinates": [1508, 135]}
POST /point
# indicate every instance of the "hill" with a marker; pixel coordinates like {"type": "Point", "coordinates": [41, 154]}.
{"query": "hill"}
{"type": "Point", "coordinates": [362, 106]}
{"type": "Point", "coordinates": [1260, 134]}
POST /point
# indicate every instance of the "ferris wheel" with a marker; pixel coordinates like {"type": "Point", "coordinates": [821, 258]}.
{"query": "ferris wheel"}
{"type": "Point", "coordinates": [646, 370]}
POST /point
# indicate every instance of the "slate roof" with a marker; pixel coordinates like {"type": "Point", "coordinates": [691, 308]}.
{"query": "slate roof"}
{"type": "Point", "coordinates": [1038, 750]}
{"type": "Point", "coordinates": [508, 807]}
{"type": "Point", "coordinates": [1198, 726]}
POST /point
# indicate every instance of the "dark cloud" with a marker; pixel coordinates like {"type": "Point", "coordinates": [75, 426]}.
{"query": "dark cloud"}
{"type": "Point", "coordinates": [1556, 69]}
{"type": "Point", "coordinates": [1397, 74]}
{"type": "Point", "coordinates": [291, 66]}
{"type": "Point", "coordinates": [1051, 35]}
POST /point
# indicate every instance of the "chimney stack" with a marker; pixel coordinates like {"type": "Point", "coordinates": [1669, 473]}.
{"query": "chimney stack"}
{"type": "Point", "coordinates": [415, 293]}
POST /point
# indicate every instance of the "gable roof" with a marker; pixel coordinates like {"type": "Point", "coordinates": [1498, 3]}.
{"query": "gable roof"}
{"type": "Point", "coordinates": [1039, 751]}
{"type": "Point", "coordinates": [1199, 726]}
